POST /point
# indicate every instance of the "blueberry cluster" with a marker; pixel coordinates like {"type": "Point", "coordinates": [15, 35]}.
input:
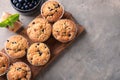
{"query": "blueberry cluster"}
{"type": "Point", "coordinates": [25, 4]}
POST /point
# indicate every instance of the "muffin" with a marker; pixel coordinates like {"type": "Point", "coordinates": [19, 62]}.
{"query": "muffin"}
{"type": "Point", "coordinates": [39, 30]}
{"type": "Point", "coordinates": [16, 46]}
{"type": "Point", "coordinates": [52, 10]}
{"type": "Point", "coordinates": [4, 63]}
{"type": "Point", "coordinates": [19, 71]}
{"type": "Point", "coordinates": [16, 26]}
{"type": "Point", "coordinates": [64, 30]}
{"type": "Point", "coordinates": [38, 54]}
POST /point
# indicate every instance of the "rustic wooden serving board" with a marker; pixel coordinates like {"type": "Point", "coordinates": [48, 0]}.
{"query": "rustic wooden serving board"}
{"type": "Point", "coordinates": [55, 48]}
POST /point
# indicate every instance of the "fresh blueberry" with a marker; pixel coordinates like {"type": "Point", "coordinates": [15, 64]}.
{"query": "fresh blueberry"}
{"type": "Point", "coordinates": [28, 3]}
{"type": "Point", "coordinates": [26, 0]}
{"type": "Point", "coordinates": [18, 5]}
{"type": "Point", "coordinates": [32, 2]}
{"type": "Point", "coordinates": [14, 1]}
{"type": "Point", "coordinates": [24, 4]}
{"type": "Point", "coordinates": [26, 7]}
{"type": "Point", "coordinates": [31, 5]}
{"type": "Point", "coordinates": [22, 8]}
{"type": "Point", "coordinates": [20, 1]}
{"type": "Point", "coordinates": [35, 2]}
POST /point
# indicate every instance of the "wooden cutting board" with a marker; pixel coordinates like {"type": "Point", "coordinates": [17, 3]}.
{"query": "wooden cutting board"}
{"type": "Point", "coordinates": [55, 47]}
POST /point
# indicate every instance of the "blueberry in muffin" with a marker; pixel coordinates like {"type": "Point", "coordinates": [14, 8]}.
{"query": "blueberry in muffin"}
{"type": "Point", "coordinates": [64, 30]}
{"type": "Point", "coordinates": [52, 10]}
{"type": "Point", "coordinates": [19, 71]}
{"type": "Point", "coordinates": [38, 54]}
{"type": "Point", "coordinates": [39, 30]}
{"type": "Point", "coordinates": [4, 63]}
{"type": "Point", "coordinates": [16, 46]}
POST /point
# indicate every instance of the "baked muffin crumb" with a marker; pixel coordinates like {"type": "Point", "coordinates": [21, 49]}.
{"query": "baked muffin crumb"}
{"type": "Point", "coordinates": [39, 30]}
{"type": "Point", "coordinates": [64, 30]}
{"type": "Point", "coordinates": [52, 10]}
{"type": "Point", "coordinates": [16, 46]}
{"type": "Point", "coordinates": [4, 63]}
{"type": "Point", "coordinates": [38, 54]}
{"type": "Point", "coordinates": [19, 71]}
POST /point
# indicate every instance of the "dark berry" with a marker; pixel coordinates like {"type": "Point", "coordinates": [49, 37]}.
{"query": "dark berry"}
{"type": "Point", "coordinates": [26, 0]}
{"type": "Point", "coordinates": [24, 4]}
{"type": "Point", "coordinates": [33, 23]}
{"type": "Point", "coordinates": [7, 48]}
{"type": "Point", "coordinates": [57, 6]}
{"type": "Point", "coordinates": [55, 10]}
{"type": "Point", "coordinates": [35, 3]}
{"type": "Point", "coordinates": [69, 35]}
{"type": "Point", "coordinates": [51, 9]}
{"type": "Point", "coordinates": [19, 49]}
{"type": "Point", "coordinates": [13, 42]}
{"type": "Point", "coordinates": [19, 78]}
{"type": "Point", "coordinates": [37, 0]}
{"type": "Point", "coordinates": [18, 69]}
{"type": "Point", "coordinates": [26, 7]}
{"type": "Point", "coordinates": [31, 5]}
{"type": "Point", "coordinates": [3, 65]}
{"type": "Point", "coordinates": [40, 53]}
{"type": "Point", "coordinates": [18, 5]}
{"type": "Point", "coordinates": [7, 40]}
{"type": "Point", "coordinates": [20, 1]}
{"type": "Point", "coordinates": [14, 1]}
{"type": "Point", "coordinates": [28, 3]}
{"type": "Point", "coordinates": [42, 30]}
{"type": "Point", "coordinates": [32, 2]}
{"type": "Point", "coordinates": [22, 8]}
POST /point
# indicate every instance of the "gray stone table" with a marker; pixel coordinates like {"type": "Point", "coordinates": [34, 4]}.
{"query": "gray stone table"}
{"type": "Point", "coordinates": [95, 55]}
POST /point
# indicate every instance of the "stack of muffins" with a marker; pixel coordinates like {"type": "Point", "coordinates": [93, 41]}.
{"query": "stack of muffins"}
{"type": "Point", "coordinates": [39, 31]}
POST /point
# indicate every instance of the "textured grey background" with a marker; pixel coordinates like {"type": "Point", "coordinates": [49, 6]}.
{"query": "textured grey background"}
{"type": "Point", "coordinates": [95, 55]}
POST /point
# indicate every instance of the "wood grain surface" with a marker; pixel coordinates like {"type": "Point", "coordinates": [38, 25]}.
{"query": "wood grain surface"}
{"type": "Point", "coordinates": [55, 47]}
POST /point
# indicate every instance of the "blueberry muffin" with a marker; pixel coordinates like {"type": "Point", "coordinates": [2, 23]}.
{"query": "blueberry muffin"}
{"type": "Point", "coordinates": [38, 54]}
{"type": "Point", "coordinates": [16, 46]}
{"type": "Point", "coordinates": [39, 30]}
{"type": "Point", "coordinates": [64, 30]}
{"type": "Point", "coordinates": [52, 10]}
{"type": "Point", "coordinates": [4, 63]}
{"type": "Point", "coordinates": [19, 71]}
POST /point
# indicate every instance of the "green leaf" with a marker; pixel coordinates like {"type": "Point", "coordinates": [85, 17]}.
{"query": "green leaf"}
{"type": "Point", "coordinates": [4, 23]}
{"type": "Point", "coordinates": [10, 21]}
{"type": "Point", "coordinates": [13, 18]}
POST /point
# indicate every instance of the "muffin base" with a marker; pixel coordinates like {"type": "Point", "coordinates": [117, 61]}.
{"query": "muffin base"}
{"type": "Point", "coordinates": [6, 49]}
{"type": "Point", "coordinates": [56, 1]}
{"type": "Point", "coordinates": [8, 64]}
{"type": "Point", "coordinates": [21, 63]}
